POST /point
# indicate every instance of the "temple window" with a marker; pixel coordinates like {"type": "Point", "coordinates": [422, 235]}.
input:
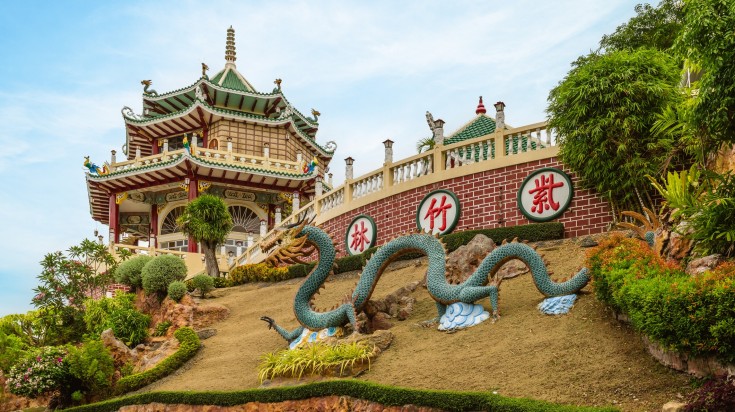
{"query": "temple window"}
{"type": "Point", "coordinates": [213, 144]}
{"type": "Point", "coordinates": [244, 220]}
{"type": "Point", "coordinates": [169, 224]}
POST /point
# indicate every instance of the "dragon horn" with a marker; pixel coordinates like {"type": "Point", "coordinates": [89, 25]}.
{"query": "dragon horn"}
{"type": "Point", "coordinates": [515, 240]}
{"type": "Point", "coordinates": [505, 242]}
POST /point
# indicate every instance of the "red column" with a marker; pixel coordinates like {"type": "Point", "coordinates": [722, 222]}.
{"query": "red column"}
{"type": "Point", "coordinates": [193, 193]}
{"type": "Point", "coordinates": [153, 239]}
{"type": "Point", "coordinates": [114, 211]}
{"type": "Point", "coordinates": [155, 146]}
{"type": "Point", "coordinates": [205, 137]}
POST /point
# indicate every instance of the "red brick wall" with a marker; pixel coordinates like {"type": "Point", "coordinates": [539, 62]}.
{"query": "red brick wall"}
{"type": "Point", "coordinates": [485, 198]}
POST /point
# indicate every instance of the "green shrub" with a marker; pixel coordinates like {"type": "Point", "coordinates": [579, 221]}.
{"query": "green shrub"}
{"type": "Point", "coordinates": [176, 290]}
{"type": "Point", "coordinates": [12, 350]}
{"type": "Point", "coordinates": [221, 282]}
{"type": "Point", "coordinates": [386, 395]}
{"type": "Point", "coordinates": [349, 263]}
{"type": "Point", "coordinates": [162, 328]}
{"type": "Point", "coordinates": [694, 315]}
{"type": "Point", "coordinates": [160, 272]}
{"type": "Point", "coordinates": [130, 326]}
{"type": "Point", "coordinates": [120, 315]}
{"type": "Point", "coordinates": [129, 271]}
{"type": "Point", "coordinates": [204, 283]}
{"type": "Point", "coordinates": [188, 347]}
{"type": "Point", "coordinates": [91, 368]}
{"type": "Point", "coordinates": [314, 359]}
{"type": "Point", "coordinates": [258, 272]}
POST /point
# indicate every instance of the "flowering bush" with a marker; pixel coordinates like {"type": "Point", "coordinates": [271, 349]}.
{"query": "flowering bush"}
{"type": "Point", "coordinates": [695, 315]}
{"type": "Point", "coordinates": [38, 374]}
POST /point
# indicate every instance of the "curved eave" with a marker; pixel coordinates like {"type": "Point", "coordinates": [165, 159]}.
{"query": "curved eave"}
{"type": "Point", "coordinates": [99, 187]}
{"type": "Point", "coordinates": [265, 104]}
{"type": "Point", "coordinates": [199, 114]}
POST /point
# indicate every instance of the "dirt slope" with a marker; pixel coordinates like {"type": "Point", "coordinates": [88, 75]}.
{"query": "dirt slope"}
{"type": "Point", "coordinates": [585, 357]}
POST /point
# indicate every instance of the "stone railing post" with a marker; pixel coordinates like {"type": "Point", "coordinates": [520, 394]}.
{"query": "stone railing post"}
{"type": "Point", "coordinates": [165, 145]}
{"type": "Point", "coordinates": [277, 215]}
{"type": "Point", "coordinates": [348, 168]}
{"type": "Point", "coordinates": [388, 151]}
{"type": "Point", "coordinates": [329, 180]}
{"type": "Point", "coordinates": [295, 205]}
{"type": "Point", "coordinates": [263, 228]}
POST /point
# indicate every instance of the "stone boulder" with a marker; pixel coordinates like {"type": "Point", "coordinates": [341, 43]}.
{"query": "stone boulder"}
{"type": "Point", "coordinates": [511, 269]}
{"type": "Point", "coordinates": [120, 352]}
{"type": "Point", "coordinates": [463, 261]}
{"type": "Point", "coordinates": [378, 312]}
{"type": "Point", "coordinates": [703, 264]}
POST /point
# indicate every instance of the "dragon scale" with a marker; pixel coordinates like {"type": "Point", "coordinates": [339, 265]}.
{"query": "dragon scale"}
{"type": "Point", "coordinates": [481, 283]}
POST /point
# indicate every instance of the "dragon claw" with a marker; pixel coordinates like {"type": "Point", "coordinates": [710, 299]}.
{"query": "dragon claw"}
{"type": "Point", "coordinates": [270, 321]}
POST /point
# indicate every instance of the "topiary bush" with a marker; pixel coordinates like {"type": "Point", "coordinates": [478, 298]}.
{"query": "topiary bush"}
{"type": "Point", "coordinates": [177, 290]}
{"type": "Point", "coordinates": [204, 283]}
{"type": "Point", "coordinates": [160, 272]}
{"type": "Point", "coordinates": [129, 271]}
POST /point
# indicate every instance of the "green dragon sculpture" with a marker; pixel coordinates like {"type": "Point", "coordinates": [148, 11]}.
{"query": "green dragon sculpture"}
{"type": "Point", "coordinates": [302, 240]}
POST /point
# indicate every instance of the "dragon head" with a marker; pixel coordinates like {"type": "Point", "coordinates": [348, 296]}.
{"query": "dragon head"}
{"type": "Point", "coordinates": [288, 245]}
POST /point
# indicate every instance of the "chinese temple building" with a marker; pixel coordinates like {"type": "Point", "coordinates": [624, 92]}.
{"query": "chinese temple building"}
{"type": "Point", "coordinates": [218, 135]}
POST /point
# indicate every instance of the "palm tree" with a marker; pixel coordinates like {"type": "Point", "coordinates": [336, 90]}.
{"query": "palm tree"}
{"type": "Point", "coordinates": [425, 144]}
{"type": "Point", "coordinates": [207, 220]}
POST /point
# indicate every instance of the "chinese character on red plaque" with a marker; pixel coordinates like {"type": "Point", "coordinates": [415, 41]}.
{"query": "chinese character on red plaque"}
{"type": "Point", "coordinates": [438, 212]}
{"type": "Point", "coordinates": [361, 235]}
{"type": "Point", "coordinates": [545, 194]}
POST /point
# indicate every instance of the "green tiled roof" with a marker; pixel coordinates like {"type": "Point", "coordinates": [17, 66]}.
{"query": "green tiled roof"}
{"type": "Point", "coordinates": [481, 126]}
{"type": "Point", "coordinates": [233, 82]}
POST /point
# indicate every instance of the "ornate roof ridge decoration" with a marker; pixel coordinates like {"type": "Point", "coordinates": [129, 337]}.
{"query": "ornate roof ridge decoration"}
{"type": "Point", "coordinates": [283, 118]}
{"type": "Point", "coordinates": [480, 117]}
{"type": "Point", "coordinates": [177, 159]}
{"type": "Point", "coordinates": [253, 93]}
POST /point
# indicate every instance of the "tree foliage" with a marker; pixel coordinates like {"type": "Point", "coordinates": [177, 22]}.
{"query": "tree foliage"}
{"type": "Point", "coordinates": [707, 42]}
{"type": "Point", "coordinates": [66, 281]}
{"type": "Point", "coordinates": [208, 221]}
{"type": "Point", "coordinates": [603, 111]}
{"type": "Point", "coordinates": [651, 27]}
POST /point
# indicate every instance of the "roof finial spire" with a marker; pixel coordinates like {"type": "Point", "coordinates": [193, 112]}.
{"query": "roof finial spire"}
{"type": "Point", "coordinates": [480, 108]}
{"type": "Point", "coordinates": [230, 48]}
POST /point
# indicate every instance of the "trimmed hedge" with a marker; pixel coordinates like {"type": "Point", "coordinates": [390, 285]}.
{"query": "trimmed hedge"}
{"type": "Point", "coordinates": [690, 314]}
{"type": "Point", "coordinates": [386, 395]}
{"type": "Point", "coordinates": [188, 346]}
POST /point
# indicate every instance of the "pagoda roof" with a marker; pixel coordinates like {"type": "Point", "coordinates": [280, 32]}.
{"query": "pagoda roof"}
{"type": "Point", "coordinates": [481, 125]}
{"type": "Point", "coordinates": [198, 112]}
{"type": "Point", "coordinates": [176, 167]}
{"type": "Point", "coordinates": [228, 94]}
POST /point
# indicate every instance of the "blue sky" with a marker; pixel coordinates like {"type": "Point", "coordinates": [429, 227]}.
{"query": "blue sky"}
{"type": "Point", "coordinates": [371, 68]}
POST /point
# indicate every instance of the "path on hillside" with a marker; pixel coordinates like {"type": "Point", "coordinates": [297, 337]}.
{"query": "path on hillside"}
{"type": "Point", "coordinates": [585, 357]}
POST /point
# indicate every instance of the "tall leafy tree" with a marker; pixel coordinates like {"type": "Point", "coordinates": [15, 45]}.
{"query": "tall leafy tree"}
{"type": "Point", "coordinates": [707, 42]}
{"type": "Point", "coordinates": [207, 220]}
{"type": "Point", "coordinates": [65, 282]}
{"type": "Point", "coordinates": [651, 27]}
{"type": "Point", "coordinates": [603, 111]}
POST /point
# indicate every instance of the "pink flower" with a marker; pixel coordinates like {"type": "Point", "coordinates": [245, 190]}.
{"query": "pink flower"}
{"type": "Point", "coordinates": [38, 359]}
